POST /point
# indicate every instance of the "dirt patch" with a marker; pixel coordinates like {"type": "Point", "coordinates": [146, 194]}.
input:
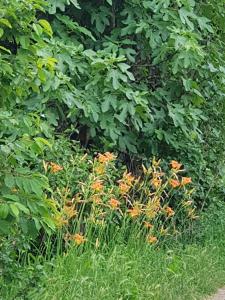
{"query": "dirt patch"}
{"type": "Point", "coordinates": [220, 295]}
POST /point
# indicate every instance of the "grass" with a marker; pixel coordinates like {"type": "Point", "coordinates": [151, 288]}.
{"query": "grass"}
{"type": "Point", "coordinates": [137, 271]}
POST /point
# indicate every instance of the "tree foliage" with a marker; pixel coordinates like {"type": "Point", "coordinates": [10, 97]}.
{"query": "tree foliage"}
{"type": "Point", "coordinates": [142, 77]}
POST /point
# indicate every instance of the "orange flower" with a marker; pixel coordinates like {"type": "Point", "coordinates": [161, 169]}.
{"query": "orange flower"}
{"type": "Point", "coordinates": [97, 186]}
{"type": "Point", "coordinates": [78, 238]}
{"type": "Point", "coordinates": [174, 183]}
{"type": "Point", "coordinates": [114, 203]}
{"type": "Point", "coordinates": [156, 182]}
{"type": "Point", "coordinates": [185, 180]}
{"type": "Point", "coordinates": [170, 212]}
{"type": "Point", "coordinates": [152, 239]}
{"type": "Point", "coordinates": [175, 165]}
{"type": "Point", "coordinates": [148, 225]}
{"type": "Point", "coordinates": [134, 212]}
{"type": "Point", "coordinates": [106, 157]}
{"type": "Point", "coordinates": [128, 178]}
{"type": "Point", "coordinates": [55, 168]}
{"type": "Point", "coordinates": [96, 199]}
{"type": "Point", "coordinates": [69, 211]}
{"type": "Point", "coordinates": [124, 188]}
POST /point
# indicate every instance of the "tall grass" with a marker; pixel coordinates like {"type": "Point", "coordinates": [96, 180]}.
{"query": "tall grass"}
{"type": "Point", "coordinates": [137, 270]}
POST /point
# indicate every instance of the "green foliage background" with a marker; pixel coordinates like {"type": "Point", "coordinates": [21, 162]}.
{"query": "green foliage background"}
{"type": "Point", "coordinates": [138, 77]}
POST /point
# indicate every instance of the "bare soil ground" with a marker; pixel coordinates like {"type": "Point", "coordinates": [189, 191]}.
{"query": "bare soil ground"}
{"type": "Point", "coordinates": [220, 295]}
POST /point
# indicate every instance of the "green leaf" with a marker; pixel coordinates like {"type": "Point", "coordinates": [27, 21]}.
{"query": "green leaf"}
{"type": "Point", "coordinates": [36, 187]}
{"type": "Point", "coordinates": [14, 209]}
{"type": "Point", "coordinates": [5, 49]}
{"type": "Point", "coordinates": [75, 3]}
{"type": "Point", "coordinates": [105, 105]}
{"type": "Point", "coordinates": [4, 211]}
{"type": "Point", "coordinates": [5, 22]}
{"type": "Point", "coordinates": [9, 180]}
{"type": "Point", "coordinates": [22, 207]}
{"type": "Point", "coordinates": [11, 197]}
{"type": "Point", "coordinates": [1, 32]}
{"type": "Point", "coordinates": [46, 26]}
{"type": "Point", "coordinates": [38, 29]}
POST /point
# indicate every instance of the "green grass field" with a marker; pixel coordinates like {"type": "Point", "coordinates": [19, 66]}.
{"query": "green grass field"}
{"type": "Point", "coordinates": [182, 271]}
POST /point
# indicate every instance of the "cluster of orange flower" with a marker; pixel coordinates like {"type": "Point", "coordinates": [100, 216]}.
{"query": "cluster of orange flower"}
{"type": "Point", "coordinates": [106, 157]}
{"type": "Point", "coordinates": [146, 203]}
{"type": "Point", "coordinates": [174, 183]}
{"type": "Point", "coordinates": [126, 183]}
{"type": "Point", "coordinates": [97, 186]}
{"type": "Point", "coordinates": [77, 238]}
{"type": "Point", "coordinates": [114, 204]}
{"type": "Point", "coordinates": [54, 168]}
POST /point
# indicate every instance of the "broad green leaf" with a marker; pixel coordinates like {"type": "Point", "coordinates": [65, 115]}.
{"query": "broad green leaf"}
{"type": "Point", "coordinates": [14, 209]}
{"type": "Point", "coordinates": [38, 29]}
{"type": "Point", "coordinates": [5, 22]}
{"type": "Point", "coordinates": [9, 180]}
{"type": "Point", "coordinates": [46, 26]}
{"type": "Point", "coordinates": [4, 210]}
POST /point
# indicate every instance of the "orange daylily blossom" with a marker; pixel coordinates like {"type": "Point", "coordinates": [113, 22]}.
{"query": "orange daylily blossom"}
{"type": "Point", "coordinates": [114, 203]}
{"type": "Point", "coordinates": [152, 239]}
{"type": "Point", "coordinates": [97, 186]}
{"type": "Point", "coordinates": [170, 212]}
{"type": "Point", "coordinates": [134, 212]}
{"type": "Point", "coordinates": [174, 183]}
{"type": "Point", "coordinates": [185, 180]}
{"type": "Point", "coordinates": [128, 178]}
{"type": "Point", "coordinates": [175, 165]}
{"type": "Point", "coordinates": [106, 157]}
{"type": "Point", "coordinates": [148, 225]}
{"type": "Point", "coordinates": [96, 199]}
{"type": "Point", "coordinates": [78, 238]}
{"type": "Point", "coordinates": [54, 168]}
{"type": "Point", "coordinates": [124, 188]}
{"type": "Point", "coordinates": [156, 182]}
